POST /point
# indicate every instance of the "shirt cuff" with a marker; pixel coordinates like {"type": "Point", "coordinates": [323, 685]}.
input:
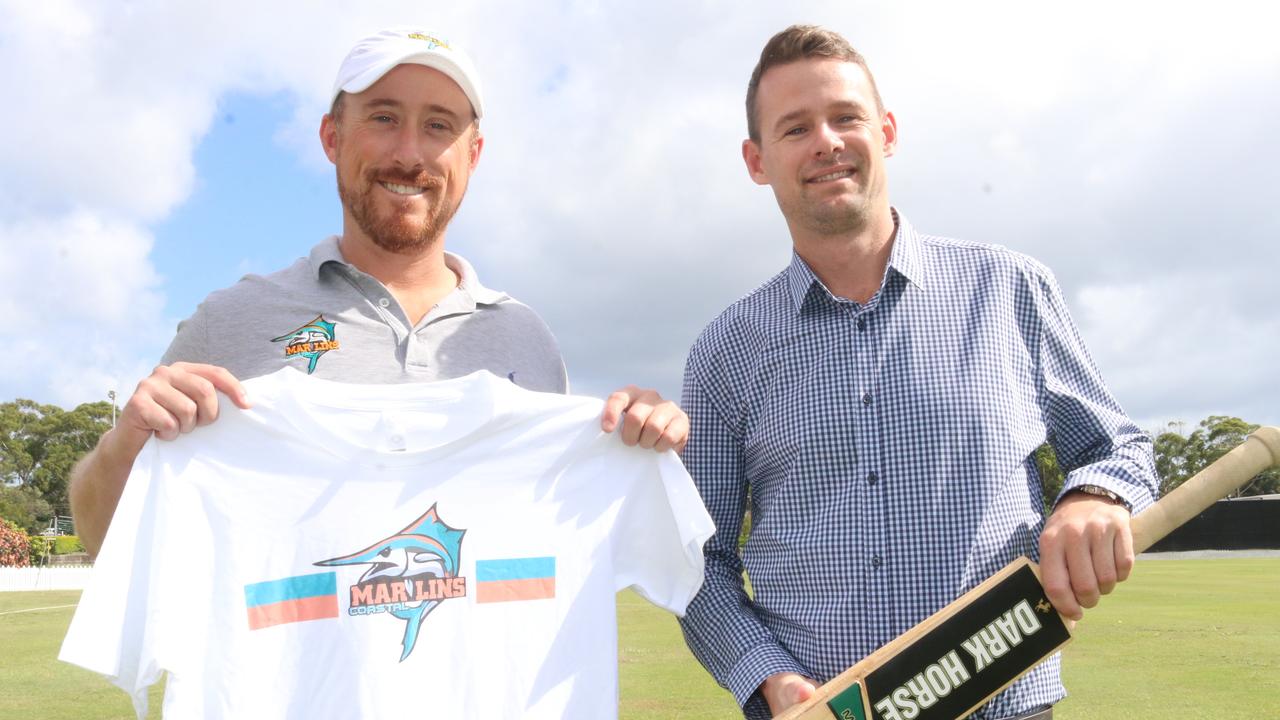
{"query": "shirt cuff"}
{"type": "Point", "coordinates": [1135, 501]}
{"type": "Point", "coordinates": [745, 678]}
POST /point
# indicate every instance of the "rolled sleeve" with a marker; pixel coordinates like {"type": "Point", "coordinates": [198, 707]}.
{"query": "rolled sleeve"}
{"type": "Point", "coordinates": [1096, 442]}
{"type": "Point", "coordinates": [752, 669]}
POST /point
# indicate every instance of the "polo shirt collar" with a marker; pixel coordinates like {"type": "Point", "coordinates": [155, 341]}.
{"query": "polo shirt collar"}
{"type": "Point", "coordinates": [469, 285]}
{"type": "Point", "coordinates": [905, 259]}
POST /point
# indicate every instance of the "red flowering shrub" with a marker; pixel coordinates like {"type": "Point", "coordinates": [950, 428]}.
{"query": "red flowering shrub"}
{"type": "Point", "coordinates": [15, 546]}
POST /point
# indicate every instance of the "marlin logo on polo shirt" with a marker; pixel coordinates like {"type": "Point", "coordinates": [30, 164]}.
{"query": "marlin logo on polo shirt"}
{"type": "Point", "coordinates": [410, 573]}
{"type": "Point", "coordinates": [310, 341]}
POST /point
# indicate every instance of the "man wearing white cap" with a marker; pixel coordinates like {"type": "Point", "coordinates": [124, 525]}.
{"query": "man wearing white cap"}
{"type": "Point", "coordinates": [383, 302]}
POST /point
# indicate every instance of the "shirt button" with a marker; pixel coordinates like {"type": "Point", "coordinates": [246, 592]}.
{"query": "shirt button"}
{"type": "Point", "coordinates": [876, 561]}
{"type": "Point", "coordinates": [862, 323]}
{"type": "Point", "coordinates": [866, 398]}
{"type": "Point", "coordinates": [872, 478]}
{"type": "Point", "coordinates": [384, 302]}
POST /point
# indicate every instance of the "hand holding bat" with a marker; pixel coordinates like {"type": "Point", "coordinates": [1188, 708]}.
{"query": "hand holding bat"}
{"type": "Point", "coordinates": [961, 656]}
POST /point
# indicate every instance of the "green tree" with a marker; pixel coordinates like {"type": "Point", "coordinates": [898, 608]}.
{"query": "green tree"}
{"type": "Point", "coordinates": [1179, 457]}
{"type": "Point", "coordinates": [39, 444]}
{"type": "Point", "coordinates": [24, 507]}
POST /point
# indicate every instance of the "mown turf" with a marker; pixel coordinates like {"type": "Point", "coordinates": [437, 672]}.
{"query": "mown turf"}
{"type": "Point", "coordinates": [33, 683]}
{"type": "Point", "coordinates": [658, 677]}
{"type": "Point", "coordinates": [1182, 638]}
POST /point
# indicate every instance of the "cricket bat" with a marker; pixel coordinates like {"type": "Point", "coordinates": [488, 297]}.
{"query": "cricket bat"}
{"type": "Point", "coordinates": [957, 659]}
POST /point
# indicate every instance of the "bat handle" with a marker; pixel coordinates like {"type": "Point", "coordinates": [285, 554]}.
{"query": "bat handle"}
{"type": "Point", "coordinates": [1261, 450]}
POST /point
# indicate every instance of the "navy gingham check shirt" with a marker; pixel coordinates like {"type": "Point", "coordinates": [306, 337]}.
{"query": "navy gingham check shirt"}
{"type": "Point", "coordinates": [886, 452]}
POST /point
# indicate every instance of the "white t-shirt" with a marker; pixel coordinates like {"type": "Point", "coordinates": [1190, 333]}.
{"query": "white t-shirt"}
{"type": "Point", "coordinates": [447, 550]}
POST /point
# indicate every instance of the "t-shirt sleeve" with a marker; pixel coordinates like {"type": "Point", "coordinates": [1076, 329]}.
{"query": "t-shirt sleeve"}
{"type": "Point", "coordinates": [190, 344]}
{"type": "Point", "coordinates": [116, 624]}
{"type": "Point", "coordinates": [662, 525]}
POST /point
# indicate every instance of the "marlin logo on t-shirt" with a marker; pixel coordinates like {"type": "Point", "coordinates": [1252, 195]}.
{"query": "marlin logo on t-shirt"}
{"type": "Point", "coordinates": [310, 341]}
{"type": "Point", "coordinates": [410, 573]}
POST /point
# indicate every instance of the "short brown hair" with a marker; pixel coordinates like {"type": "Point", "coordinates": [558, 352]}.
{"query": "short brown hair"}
{"type": "Point", "coordinates": [802, 42]}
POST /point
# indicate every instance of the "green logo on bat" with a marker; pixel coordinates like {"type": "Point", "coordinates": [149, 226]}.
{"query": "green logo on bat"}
{"type": "Point", "coordinates": [848, 704]}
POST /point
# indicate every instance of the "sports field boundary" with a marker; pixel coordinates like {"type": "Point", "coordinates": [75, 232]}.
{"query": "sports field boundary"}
{"type": "Point", "coordinates": [61, 577]}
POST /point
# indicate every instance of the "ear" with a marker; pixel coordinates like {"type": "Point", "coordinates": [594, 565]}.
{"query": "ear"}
{"type": "Point", "coordinates": [755, 166]}
{"type": "Point", "coordinates": [889, 128]}
{"type": "Point", "coordinates": [477, 144]}
{"type": "Point", "coordinates": [329, 137]}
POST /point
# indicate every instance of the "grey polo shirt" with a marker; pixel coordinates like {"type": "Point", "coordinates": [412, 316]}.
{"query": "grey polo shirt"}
{"type": "Point", "coordinates": [324, 317]}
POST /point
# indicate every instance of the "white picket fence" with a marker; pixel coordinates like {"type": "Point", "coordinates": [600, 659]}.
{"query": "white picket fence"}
{"type": "Point", "coordinates": [73, 577]}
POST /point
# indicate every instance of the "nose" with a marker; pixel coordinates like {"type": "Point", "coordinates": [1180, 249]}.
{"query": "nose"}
{"type": "Point", "coordinates": [828, 141]}
{"type": "Point", "coordinates": [409, 151]}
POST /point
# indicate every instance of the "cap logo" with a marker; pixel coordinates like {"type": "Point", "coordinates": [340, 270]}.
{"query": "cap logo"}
{"type": "Point", "coordinates": [432, 41]}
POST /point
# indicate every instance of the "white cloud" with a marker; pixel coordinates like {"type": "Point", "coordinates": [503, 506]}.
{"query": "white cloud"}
{"type": "Point", "coordinates": [1129, 146]}
{"type": "Point", "coordinates": [1174, 354]}
{"type": "Point", "coordinates": [101, 127]}
{"type": "Point", "coordinates": [78, 297]}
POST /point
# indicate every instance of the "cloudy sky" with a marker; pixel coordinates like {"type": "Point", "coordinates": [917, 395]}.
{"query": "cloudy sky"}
{"type": "Point", "coordinates": [155, 151]}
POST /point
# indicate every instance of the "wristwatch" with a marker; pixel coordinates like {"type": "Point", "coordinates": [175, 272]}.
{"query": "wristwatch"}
{"type": "Point", "coordinates": [1100, 491]}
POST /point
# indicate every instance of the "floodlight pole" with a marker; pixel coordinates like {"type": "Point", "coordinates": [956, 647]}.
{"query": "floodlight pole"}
{"type": "Point", "coordinates": [112, 394]}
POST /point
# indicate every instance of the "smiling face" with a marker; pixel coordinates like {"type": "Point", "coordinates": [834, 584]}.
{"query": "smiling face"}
{"type": "Point", "coordinates": [822, 147]}
{"type": "Point", "coordinates": [404, 150]}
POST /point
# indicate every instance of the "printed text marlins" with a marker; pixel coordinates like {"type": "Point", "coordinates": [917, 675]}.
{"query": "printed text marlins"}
{"type": "Point", "coordinates": [369, 598]}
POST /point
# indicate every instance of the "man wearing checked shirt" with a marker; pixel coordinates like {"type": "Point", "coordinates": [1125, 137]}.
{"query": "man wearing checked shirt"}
{"type": "Point", "coordinates": [878, 403]}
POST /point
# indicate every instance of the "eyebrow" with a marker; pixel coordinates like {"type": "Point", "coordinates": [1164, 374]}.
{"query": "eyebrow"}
{"type": "Point", "coordinates": [797, 114]}
{"type": "Point", "coordinates": [396, 104]}
{"type": "Point", "coordinates": [788, 119]}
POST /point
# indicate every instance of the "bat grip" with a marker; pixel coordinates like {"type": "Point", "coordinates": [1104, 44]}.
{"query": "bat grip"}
{"type": "Point", "coordinates": [1258, 452]}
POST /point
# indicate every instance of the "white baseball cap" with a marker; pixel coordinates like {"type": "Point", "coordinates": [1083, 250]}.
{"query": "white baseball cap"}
{"type": "Point", "coordinates": [374, 56]}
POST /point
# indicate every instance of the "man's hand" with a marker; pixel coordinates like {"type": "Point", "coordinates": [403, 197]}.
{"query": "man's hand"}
{"type": "Point", "coordinates": [1085, 549]}
{"type": "Point", "coordinates": [782, 690]}
{"type": "Point", "coordinates": [174, 399]}
{"type": "Point", "coordinates": [647, 419]}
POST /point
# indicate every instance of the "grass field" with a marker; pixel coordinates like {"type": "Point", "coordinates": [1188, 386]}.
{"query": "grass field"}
{"type": "Point", "coordinates": [1183, 638]}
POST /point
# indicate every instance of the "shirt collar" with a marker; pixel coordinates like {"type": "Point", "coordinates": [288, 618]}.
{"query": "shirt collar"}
{"type": "Point", "coordinates": [800, 280]}
{"type": "Point", "coordinates": [468, 283]}
{"type": "Point", "coordinates": [907, 256]}
{"type": "Point", "coordinates": [905, 259]}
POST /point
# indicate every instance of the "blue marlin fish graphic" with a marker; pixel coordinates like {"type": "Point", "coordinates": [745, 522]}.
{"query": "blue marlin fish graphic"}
{"type": "Point", "coordinates": [426, 548]}
{"type": "Point", "coordinates": [310, 341]}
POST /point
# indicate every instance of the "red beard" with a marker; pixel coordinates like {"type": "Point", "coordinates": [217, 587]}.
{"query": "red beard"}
{"type": "Point", "coordinates": [395, 231]}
